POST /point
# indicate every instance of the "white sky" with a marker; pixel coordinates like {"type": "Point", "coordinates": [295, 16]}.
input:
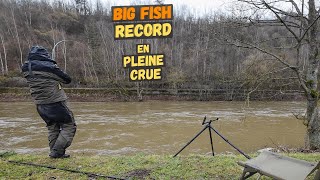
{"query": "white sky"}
{"type": "Point", "coordinates": [195, 6]}
{"type": "Point", "coordinates": [202, 7]}
{"type": "Point", "coordinates": [191, 3]}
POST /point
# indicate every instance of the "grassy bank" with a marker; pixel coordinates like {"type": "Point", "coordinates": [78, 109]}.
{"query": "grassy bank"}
{"type": "Point", "coordinates": [139, 166]}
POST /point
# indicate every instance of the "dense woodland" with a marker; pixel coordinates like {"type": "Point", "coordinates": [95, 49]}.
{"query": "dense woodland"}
{"type": "Point", "coordinates": [203, 53]}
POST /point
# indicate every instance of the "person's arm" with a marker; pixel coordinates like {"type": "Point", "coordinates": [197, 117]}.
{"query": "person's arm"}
{"type": "Point", "coordinates": [64, 76]}
{"type": "Point", "coordinates": [37, 67]}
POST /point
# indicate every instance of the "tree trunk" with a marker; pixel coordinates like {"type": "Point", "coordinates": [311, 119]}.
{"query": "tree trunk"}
{"type": "Point", "coordinates": [313, 121]}
{"type": "Point", "coordinates": [313, 132]}
{"type": "Point", "coordinates": [5, 55]}
{"type": "Point", "coordinates": [1, 62]}
{"type": "Point", "coordinates": [64, 51]}
{"type": "Point", "coordinates": [17, 36]}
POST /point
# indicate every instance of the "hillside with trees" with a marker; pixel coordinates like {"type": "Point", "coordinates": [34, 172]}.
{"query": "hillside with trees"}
{"type": "Point", "coordinates": [203, 54]}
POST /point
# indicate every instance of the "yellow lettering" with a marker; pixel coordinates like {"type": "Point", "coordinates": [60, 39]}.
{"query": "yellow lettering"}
{"type": "Point", "coordinates": [166, 29]}
{"type": "Point", "coordinates": [146, 48]}
{"type": "Point", "coordinates": [143, 48]}
{"type": "Point", "coordinates": [119, 31]}
{"type": "Point", "coordinates": [147, 31]}
{"type": "Point", "coordinates": [138, 30]}
{"type": "Point", "coordinates": [127, 60]}
{"type": "Point", "coordinates": [141, 74]}
{"type": "Point", "coordinates": [160, 60]}
{"type": "Point", "coordinates": [142, 30]}
{"type": "Point", "coordinates": [157, 74]}
{"type": "Point", "coordinates": [133, 75]}
{"type": "Point", "coordinates": [145, 74]}
{"type": "Point", "coordinates": [141, 61]}
{"type": "Point", "coordinates": [152, 61]}
{"type": "Point", "coordinates": [129, 30]}
{"type": "Point", "coordinates": [157, 30]}
{"type": "Point", "coordinates": [149, 74]}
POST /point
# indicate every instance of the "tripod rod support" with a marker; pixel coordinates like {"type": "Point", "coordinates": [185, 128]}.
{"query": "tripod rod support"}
{"type": "Point", "coordinates": [191, 140]}
{"type": "Point", "coordinates": [204, 120]}
{"type": "Point", "coordinates": [227, 141]}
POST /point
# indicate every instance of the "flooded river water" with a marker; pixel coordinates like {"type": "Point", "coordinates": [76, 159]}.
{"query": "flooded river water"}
{"type": "Point", "coordinates": [157, 127]}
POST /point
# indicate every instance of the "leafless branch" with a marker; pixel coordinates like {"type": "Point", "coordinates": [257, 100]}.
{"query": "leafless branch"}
{"type": "Point", "coordinates": [274, 23]}
{"type": "Point", "coordinates": [313, 23]}
{"type": "Point", "coordinates": [296, 7]}
{"type": "Point", "coordinates": [276, 38]}
{"type": "Point", "coordinates": [281, 20]}
{"type": "Point", "coordinates": [251, 46]}
{"type": "Point", "coordinates": [279, 59]}
{"type": "Point", "coordinates": [278, 147]}
{"type": "Point", "coordinates": [302, 82]}
{"type": "Point", "coordinates": [294, 15]}
{"type": "Point", "coordinates": [159, 1]}
{"type": "Point", "coordinates": [299, 116]}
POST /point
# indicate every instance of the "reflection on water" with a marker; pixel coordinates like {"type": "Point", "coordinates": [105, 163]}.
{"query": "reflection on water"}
{"type": "Point", "coordinates": [157, 127]}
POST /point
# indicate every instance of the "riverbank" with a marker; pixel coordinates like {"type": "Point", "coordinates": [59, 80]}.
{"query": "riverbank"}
{"type": "Point", "coordinates": [139, 166]}
{"type": "Point", "coordinates": [19, 94]}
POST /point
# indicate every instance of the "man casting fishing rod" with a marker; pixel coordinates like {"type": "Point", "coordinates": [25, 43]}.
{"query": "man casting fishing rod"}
{"type": "Point", "coordinates": [44, 79]}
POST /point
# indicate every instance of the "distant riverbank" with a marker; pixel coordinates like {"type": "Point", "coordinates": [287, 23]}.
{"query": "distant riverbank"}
{"type": "Point", "coordinates": [12, 94]}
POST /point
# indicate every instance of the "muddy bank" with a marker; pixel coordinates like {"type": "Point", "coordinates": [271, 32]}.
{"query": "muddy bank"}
{"type": "Point", "coordinates": [114, 94]}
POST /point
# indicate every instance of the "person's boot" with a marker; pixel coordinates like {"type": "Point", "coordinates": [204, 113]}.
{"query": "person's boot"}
{"type": "Point", "coordinates": [57, 155]}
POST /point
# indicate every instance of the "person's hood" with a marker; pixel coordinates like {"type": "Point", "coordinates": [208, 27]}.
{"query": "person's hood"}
{"type": "Point", "coordinates": [39, 53]}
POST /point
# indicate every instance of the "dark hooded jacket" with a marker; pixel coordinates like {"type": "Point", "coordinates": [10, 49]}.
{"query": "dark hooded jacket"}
{"type": "Point", "coordinates": [44, 77]}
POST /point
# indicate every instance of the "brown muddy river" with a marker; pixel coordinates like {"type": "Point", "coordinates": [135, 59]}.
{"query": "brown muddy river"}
{"type": "Point", "coordinates": [157, 127]}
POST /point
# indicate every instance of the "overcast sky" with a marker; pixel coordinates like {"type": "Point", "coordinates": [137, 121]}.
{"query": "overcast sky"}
{"type": "Point", "coordinates": [203, 7]}
{"type": "Point", "coordinates": [195, 6]}
{"type": "Point", "coordinates": [214, 4]}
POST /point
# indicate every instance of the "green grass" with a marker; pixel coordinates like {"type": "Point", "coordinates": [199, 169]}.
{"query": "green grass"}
{"type": "Point", "coordinates": [139, 166]}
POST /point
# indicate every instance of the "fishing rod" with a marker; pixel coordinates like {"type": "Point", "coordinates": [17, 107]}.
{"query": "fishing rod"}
{"type": "Point", "coordinates": [89, 174]}
{"type": "Point", "coordinates": [53, 52]}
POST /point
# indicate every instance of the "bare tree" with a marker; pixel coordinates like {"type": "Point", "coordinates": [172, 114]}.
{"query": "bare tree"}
{"type": "Point", "coordinates": [302, 26]}
{"type": "Point", "coordinates": [5, 63]}
{"type": "Point", "coordinates": [2, 66]}
{"type": "Point", "coordinates": [17, 34]}
{"type": "Point", "coordinates": [159, 1]}
{"type": "Point", "coordinates": [64, 51]}
{"type": "Point", "coordinates": [194, 57]}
